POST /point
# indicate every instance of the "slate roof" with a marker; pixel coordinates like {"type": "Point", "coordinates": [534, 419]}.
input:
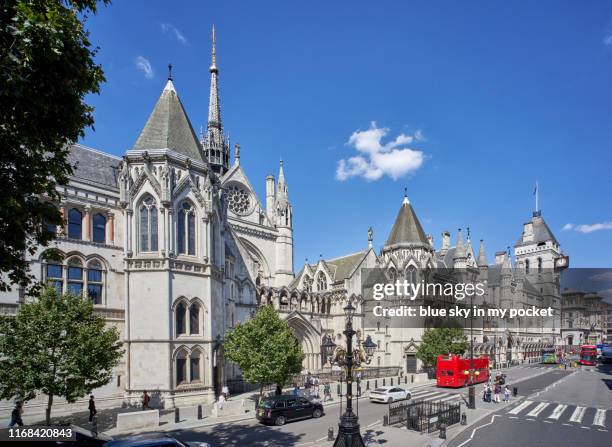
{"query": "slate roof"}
{"type": "Point", "coordinates": [343, 266]}
{"type": "Point", "coordinates": [541, 232]}
{"type": "Point", "coordinates": [407, 229]}
{"type": "Point", "coordinates": [93, 166]}
{"type": "Point", "coordinates": [168, 127]}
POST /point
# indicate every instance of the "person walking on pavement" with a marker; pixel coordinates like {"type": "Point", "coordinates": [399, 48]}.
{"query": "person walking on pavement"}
{"type": "Point", "coordinates": [488, 393]}
{"type": "Point", "coordinates": [92, 408]}
{"type": "Point", "coordinates": [327, 392]}
{"type": "Point", "coordinates": [497, 392]}
{"type": "Point", "coordinates": [296, 389]}
{"type": "Point", "coordinates": [145, 401]}
{"type": "Point", "coordinates": [225, 392]}
{"type": "Point", "coordinates": [16, 415]}
{"type": "Point", "coordinates": [506, 394]}
{"type": "Point", "coordinates": [278, 391]}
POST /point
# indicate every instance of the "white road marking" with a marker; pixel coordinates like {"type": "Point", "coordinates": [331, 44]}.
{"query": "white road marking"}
{"type": "Point", "coordinates": [434, 397]}
{"type": "Point", "coordinates": [420, 394]}
{"type": "Point", "coordinates": [478, 428]}
{"type": "Point", "coordinates": [537, 410]}
{"type": "Point", "coordinates": [513, 417]}
{"type": "Point", "coordinates": [373, 424]}
{"type": "Point", "coordinates": [454, 396]}
{"type": "Point", "coordinates": [557, 412]}
{"type": "Point", "coordinates": [521, 407]}
{"type": "Point", "coordinates": [578, 414]}
{"type": "Point", "coordinates": [600, 418]}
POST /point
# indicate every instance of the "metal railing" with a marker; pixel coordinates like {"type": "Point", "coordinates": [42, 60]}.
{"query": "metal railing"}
{"type": "Point", "coordinates": [424, 416]}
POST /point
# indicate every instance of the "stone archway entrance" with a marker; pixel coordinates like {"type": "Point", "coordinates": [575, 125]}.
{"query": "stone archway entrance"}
{"type": "Point", "coordinates": [309, 338]}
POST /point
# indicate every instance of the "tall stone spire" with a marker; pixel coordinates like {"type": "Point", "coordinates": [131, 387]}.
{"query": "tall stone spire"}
{"type": "Point", "coordinates": [282, 192]}
{"type": "Point", "coordinates": [283, 207]}
{"type": "Point", "coordinates": [482, 256]}
{"type": "Point", "coordinates": [215, 144]}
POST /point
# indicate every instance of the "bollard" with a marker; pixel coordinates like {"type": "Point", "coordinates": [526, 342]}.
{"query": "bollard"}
{"type": "Point", "coordinates": [199, 411]}
{"type": "Point", "coordinates": [515, 391]}
{"type": "Point", "coordinates": [376, 383]}
{"type": "Point", "coordinates": [406, 379]}
{"type": "Point", "coordinates": [330, 434]}
{"type": "Point", "coordinates": [412, 378]}
{"type": "Point", "coordinates": [176, 415]}
{"type": "Point", "coordinates": [464, 419]}
{"type": "Point", "coordinates": [383, 382]}
{"type": "Point", "coordinates": [442, 431]}
{"type": "Point", "coordinates": [385, 420]}
{"type": "Point", "coordinates": [391, 381]}
{"type": "Point", "coordinates": [367, 384]}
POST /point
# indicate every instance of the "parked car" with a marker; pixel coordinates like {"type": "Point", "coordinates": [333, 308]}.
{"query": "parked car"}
{"type": "Point", "coordinates": [280, 409]}
{"type": "Point", "coordinates": [388, 394]}
{"type": "Point", "coordinates": [154, 440]}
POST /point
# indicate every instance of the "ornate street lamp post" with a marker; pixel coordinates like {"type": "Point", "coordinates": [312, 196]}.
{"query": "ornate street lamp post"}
{"type": "Point", "coordinates": [348, 432]}
{"type": "Point", "coordinates": [329, 347]}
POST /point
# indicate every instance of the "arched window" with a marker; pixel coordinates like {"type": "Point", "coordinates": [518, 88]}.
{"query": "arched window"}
{"type": "Point", "coordinates": [75, 224]}
{"type": "Point", "coordinates": [99, 228]}
{"type": "Point", "coordinates": [539, 265]}
{"type": "Point", "coordinates": [186, 229]}
{"type": "Point", "coordinates": [95, 282]}
{"type": "Point", "coordinates": [75, 276]}
{"type": "Point", "coordinates": [392, 274]}
{"type": "Point", "coordinates": [181, 368]}
{"type": "Point", "coordinates": [307, 283]}
{"type": "Point", "coordinates": [526, 265]}
{"type": "Point", "coordinates": [411, 274]}
{"type": "Point", "coordinates": [148, 225]}
{"type": "Point", "coordinates": [194, 366]}
{"type": "Point", "coordinates": [180, 319]}
{"type": "Point", "coordinates": [194, 319]}
{"type": "Point", "coordinates": [321, 282]}
{"type": "Point", "coordinates": [54, 277]}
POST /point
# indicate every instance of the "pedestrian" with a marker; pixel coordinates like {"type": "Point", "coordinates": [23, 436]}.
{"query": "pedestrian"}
{"type": "Point", "coordinates": [279, 391]}
{"type": "Point", "coordinates": [92, 408]}
{"type": "Point", "coordinates": [327, 392]}
{"type": "Point", "coordinates": [225, 391]}
{"type": "Point", "coordinates": [221, 401]}
{"type": "Point", "coordinates": [484, 392]}
{"type": "Point", "coordinates": [94, 426]}
{"type": "Point", "coordinates": [488, 394]}
{"type": "Point", "coordinates": [145, 401]}
{"type": "Point", "coordinates": [506, 394]}
{"type": "Point", "coordinates": [296, 389]}
{"type": "Point", "coordinates": [16, 415]}
{"type": "Point", "coordinates": [307, 386]}
{"type": "Point", "coordinates": [497, 392]}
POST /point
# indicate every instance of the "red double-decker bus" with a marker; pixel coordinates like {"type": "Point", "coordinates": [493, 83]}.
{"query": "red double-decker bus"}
{"type": "Point", "coordinates": [452, 371]}
{"type": "Point", "coordinates": [588, 355]}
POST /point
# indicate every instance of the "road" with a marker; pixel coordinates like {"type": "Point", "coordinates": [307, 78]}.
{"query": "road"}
{"type": "Point", "coordinates": [310, 431]}
{"type": "Point", "coordinates": [562, 409]}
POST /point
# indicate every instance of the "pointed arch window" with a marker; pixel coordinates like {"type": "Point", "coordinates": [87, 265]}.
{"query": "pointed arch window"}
{"type": "Point", "coordinates": [95, 282]}
{"type": "Point", "coordinates": [539, 265]}
{"type": "Point", "coordinates": [307, 284]}
{"type": "Point", "coordinates": [194, 366]}
{"type": "Point", "coordinates": [411, 274]}
{"type": "Point", "coordinates": [99, 228]}
{"type": "Point", "coordinates": [148, 225]}
{"type": "Point", "coordinates": [186, 229]}
{"type": "Point", "coordinates": [180, 319]}
{"type": "Point", "coordinates": [181, 368]}
{"type": "Point", "coordinates": [392, 274]}
{"type": "Point", "coordinates": [75, 276]}
{"type": "Point", "coordinates": [321, 282]}
{"type": "Point", "coordinates": [75, 224]}
{"type": "Point", "coordinates": [194, 319]}
{"type": "Point", "coordinates": [526, 265]}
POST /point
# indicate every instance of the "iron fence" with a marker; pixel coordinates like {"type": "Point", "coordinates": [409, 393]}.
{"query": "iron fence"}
{"type": "Point", "coordinates": [424, 416]}
{"type": "Point", "coordinates": [337, 375]}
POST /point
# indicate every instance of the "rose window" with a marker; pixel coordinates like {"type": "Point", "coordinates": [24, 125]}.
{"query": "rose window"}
{"type": "Point", "coordinates": [239, 200]}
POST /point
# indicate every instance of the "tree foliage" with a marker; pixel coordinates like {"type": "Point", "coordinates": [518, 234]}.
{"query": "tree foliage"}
{"type": "Point", "coordinates": [264, 348]}
{"type": "Point", "coordinates": [441, 341]}
{"type": "Point", "coordinates": [58, 346]}
{"type": "Point", "coordinates": [46, 69]}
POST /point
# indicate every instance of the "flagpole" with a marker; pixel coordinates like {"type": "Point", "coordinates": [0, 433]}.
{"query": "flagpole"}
{"type": "Point", "coordinates": [537, 198]}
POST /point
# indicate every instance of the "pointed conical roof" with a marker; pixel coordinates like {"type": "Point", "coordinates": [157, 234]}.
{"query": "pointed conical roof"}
{"type": "Point", "coordinates": [168, 127]}
{"type": "Point", "coordinates": [407, 229]}
{"type": "Point", "coordinates": [482, 256]}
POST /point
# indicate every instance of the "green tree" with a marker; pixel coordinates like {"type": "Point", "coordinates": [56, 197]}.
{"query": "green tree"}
{"type": "Point", "coordinates": [58, 346]}
{"type": "Point", "coordinates": [440, 341]}
{"type": "Point", "coordinates": [46, 69]}
{"type": "Point", "coordinates": [264, 348]}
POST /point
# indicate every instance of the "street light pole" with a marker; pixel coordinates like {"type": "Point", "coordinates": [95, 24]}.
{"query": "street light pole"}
{"type": "Point", "coordinates": [348, 429]}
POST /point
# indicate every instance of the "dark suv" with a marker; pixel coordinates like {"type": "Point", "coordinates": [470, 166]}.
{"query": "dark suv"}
{"type": "Point", "coordinates": [280, 409]}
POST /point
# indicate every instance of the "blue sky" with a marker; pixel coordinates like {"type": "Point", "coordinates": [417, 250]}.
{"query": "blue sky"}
{"type": "Point", "coordinates": [466, 104]}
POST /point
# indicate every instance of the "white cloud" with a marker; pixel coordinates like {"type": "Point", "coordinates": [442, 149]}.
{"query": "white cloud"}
{"type": "Point", "coordinates": [567, 227]}
{"type": "Point", "coordinates": [144, 64]}
{"type": "Point", "coordinates": [375, 159]}
{"type": "Point", "coordinates": [602, 277]}
{"type": "Point", "coordinates": [170, 28]}
{"type": "Point", "coordinates": [594, 227]}
{"type": "Point", "coordinates": [608, 40]}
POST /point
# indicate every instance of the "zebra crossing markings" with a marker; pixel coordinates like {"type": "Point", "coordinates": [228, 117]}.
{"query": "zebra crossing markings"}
{"type": "Point", "coordinates": [434, 395]}
{"type": "Point", "coordinates": [577, 416]}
